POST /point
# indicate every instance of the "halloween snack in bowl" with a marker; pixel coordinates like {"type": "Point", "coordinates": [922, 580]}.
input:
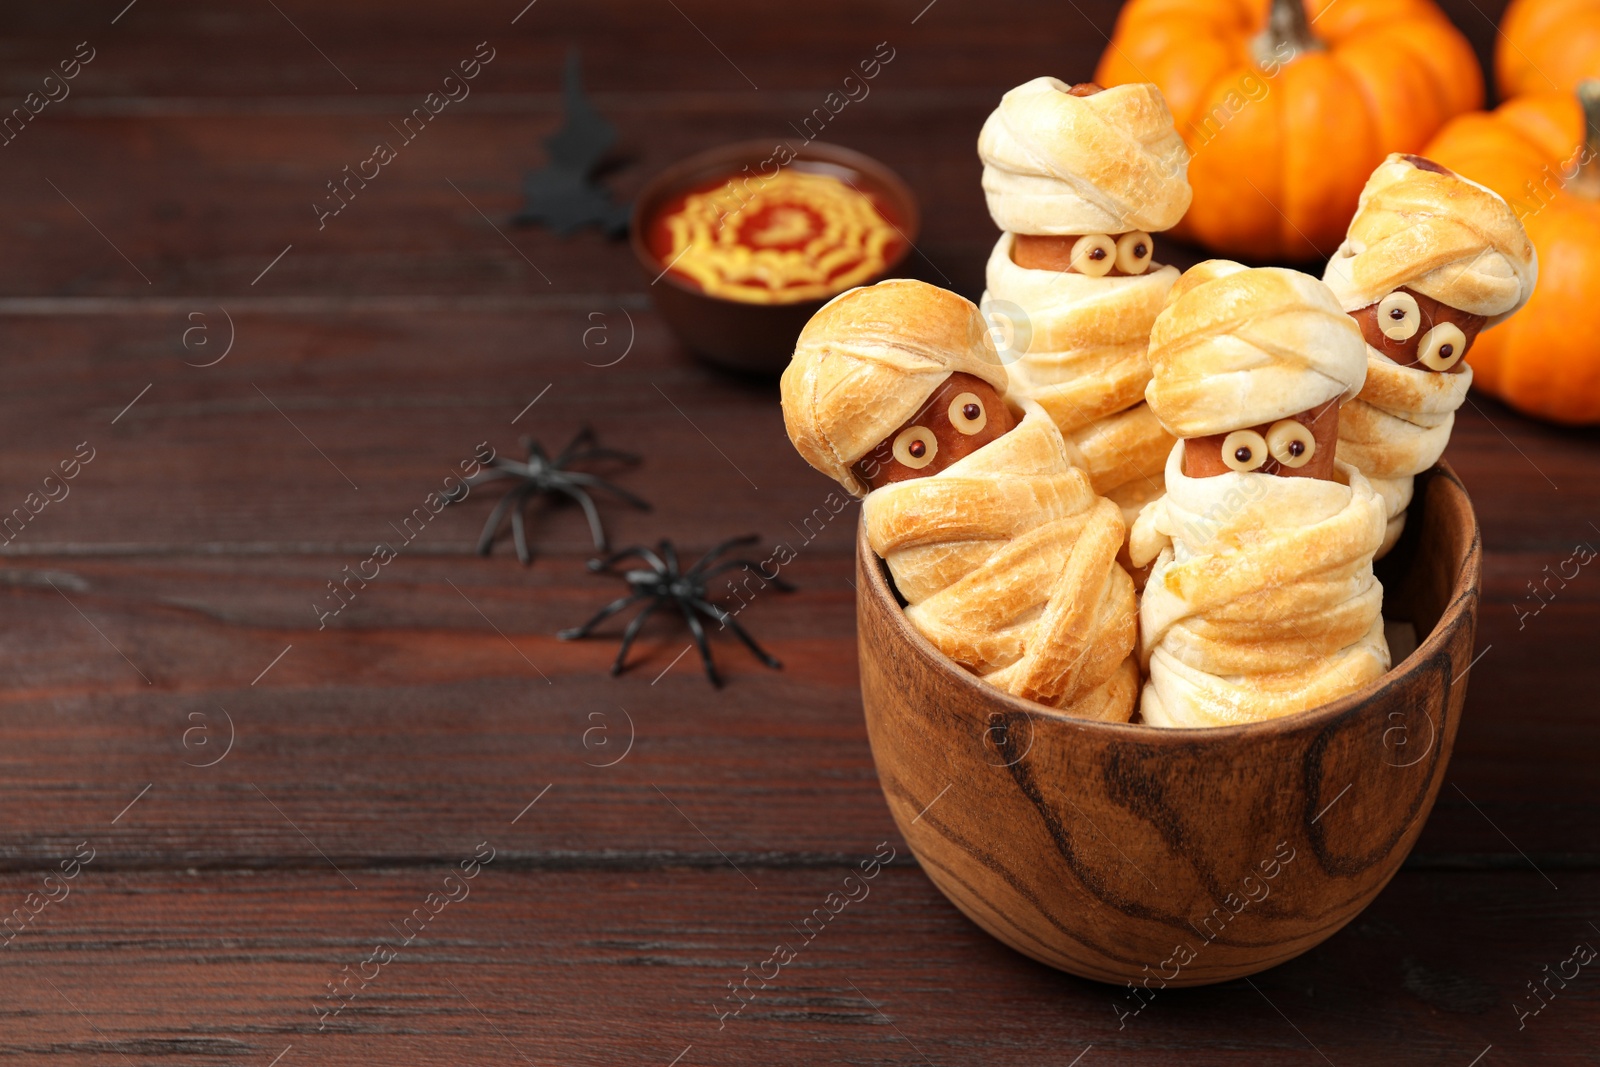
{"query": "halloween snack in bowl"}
{"type": "Point", "coordinates": [1148, 857]}
{"type": "Point", "coordinates": [1233, 789]}
{"type": "Point", "coordinates": [1261, 601]}
{"type": "Point", "coordinates": [743, 243]}
{"type": "Point", "coordinates": [1079, 177]}
{"type": "Point", "coordinates": [1003, 552]}
{"type": "Point", "coordinates": [1430, 260]}
{"type": "Point", "coordinates": [997, 699]}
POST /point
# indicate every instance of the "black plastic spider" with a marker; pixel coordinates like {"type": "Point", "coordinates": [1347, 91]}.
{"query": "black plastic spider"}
{"type": "Point", "coordinates": [664, 583]}
{"type": "Point", "coordinates": [542, 476]}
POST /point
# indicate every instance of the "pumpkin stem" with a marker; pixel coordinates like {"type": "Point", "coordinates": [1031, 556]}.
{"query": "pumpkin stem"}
{"type": "Point", "coordinates": [1586, 182]}
{"type": "Point", "coordinates": [1286, 35]}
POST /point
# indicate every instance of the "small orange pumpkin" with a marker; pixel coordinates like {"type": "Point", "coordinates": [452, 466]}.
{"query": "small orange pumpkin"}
{"type": "Point", "coordinates": [1286, 107]}
{"type": "Point", "coordinates": [1544, 360]}
{"type": "Point", "coordinates": [1547, 46]}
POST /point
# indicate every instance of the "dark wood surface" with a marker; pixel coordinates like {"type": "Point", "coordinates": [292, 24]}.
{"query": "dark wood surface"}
{"type": "Point", "coordinates": [377, 753]}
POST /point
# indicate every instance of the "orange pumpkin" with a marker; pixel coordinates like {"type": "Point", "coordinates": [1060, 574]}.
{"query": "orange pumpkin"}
{"type": "Point", "coordinates": [1547, 46]}
{"type": "Point", "coordinates": [1544, 360]}
{"type": "Point", "coordinates": [1287, 108]}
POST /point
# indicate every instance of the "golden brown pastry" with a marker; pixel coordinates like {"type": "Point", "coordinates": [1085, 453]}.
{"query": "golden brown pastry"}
{"type": "Point", "coordinates": [868, 360]}
{"type": "Point", "coordinates": [1105, 162]}
{"type": "Point", "coordinates": [1006, 557]}
{"type": "Point", "coordinates": [1261, 601]}
{"type": "Point", "coordinates": [1080, 177]}
{"type": "Point", "coordinates": [1430, 260]}
{"type": "Point", "coordinates": [1007, 562]}
{"type": "Point", "coordinates": [1083, 360]}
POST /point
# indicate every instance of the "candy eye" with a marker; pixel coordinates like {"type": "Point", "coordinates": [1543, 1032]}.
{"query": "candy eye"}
{"type": "Point", "coordinates": [967, 414]}
{"type": "Point", "coordinates": [1442, 347]}
{"type": "Point", "coordinates": [1134, 251]}
{"type": "Point", "coordinates": [1244, 450]}
{"type": "Point", "coordinates": [1398, 316]}
{"type": "Point", "coordinates": [1094, 254]}
{"type": "Point", "coordinates": [1290, 443]}
{"type": "Point", "coordinates": [915, 446]}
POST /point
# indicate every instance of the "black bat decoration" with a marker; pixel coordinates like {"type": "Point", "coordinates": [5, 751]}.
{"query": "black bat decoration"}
{"type": "Point", "coordinates": [563, 194]}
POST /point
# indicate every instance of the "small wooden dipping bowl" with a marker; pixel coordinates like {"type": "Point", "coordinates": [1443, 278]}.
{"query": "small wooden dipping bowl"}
{"type": "Point", "coordinates": [1123, 852]}
{"type": "Point", "coordinates": [748, 337]}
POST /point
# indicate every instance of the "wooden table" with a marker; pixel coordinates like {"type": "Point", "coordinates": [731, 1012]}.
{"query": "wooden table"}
{"type": "Point", "coordinates": [265, 400]}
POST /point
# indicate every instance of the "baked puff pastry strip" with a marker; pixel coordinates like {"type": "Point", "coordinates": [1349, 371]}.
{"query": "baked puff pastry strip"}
{"type": "Point", "coordinates": [1081, 345]}
{"type": "Point", "coordinates": [1433, 231]}
{"type": "Point", "coordinates": [1427, 229]}
{"type": "Point", "coordinates": [1397, 427]}
{"type": "Point", "coordinates": [1262, 601]}
{"type": "Point", "coordinates": [1236, 346]}
{"type": "Point", "coordinates": [1007, 561]}
{"type": "Point", "coordinates": [868, 359]}
{"type": "Point", "coordinates": [1055, 163]}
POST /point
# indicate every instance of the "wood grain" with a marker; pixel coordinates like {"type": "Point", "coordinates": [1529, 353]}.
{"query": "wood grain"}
{"type": "Point", "coordinates": [590, 967]}
{"type": "Point", "coordinates": [397, 338]}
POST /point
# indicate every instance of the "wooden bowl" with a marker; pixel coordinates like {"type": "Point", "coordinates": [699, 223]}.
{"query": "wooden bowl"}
{"type": "Point", "coordinates": [1130, 853]}
{"type": "Point", "coordinates": [733, 334]}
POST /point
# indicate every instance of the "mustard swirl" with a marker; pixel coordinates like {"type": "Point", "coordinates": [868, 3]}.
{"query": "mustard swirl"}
{"type": "Point", "coordinates": [781, 239]}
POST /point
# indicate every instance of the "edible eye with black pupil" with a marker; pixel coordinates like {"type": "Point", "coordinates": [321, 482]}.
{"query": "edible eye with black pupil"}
{"type": "Point", "coordinates": [1441, 347]}
{"type": "Point", "coordinates": [1399, 318]}
{"type": "Point", "coordinates": [1133, 252]}
{"type": "Point", "coordinates": [1093, 254]}
{"type": "Point", "coordinates": [967, 415]}
{"type": "Point", "coordinates": [1244, 451]}
{"type": "Point", "coordinates": [916, 446]}
{"type": "Point", "coordinates": [1291, 443]}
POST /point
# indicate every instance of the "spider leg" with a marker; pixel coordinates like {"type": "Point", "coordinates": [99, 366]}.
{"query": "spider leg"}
{"type": "Point", "coordinates": [519, 528]}
{"type": "Point", "coordinates": [630, 633]}
{"type": "Point", "coordinates": [585, 435]}
{"type": "Point", "coordinates": [734, 564]}
{"type": "Point", "coordinates": [512, 468]}
{"type": "Point", "coordinates": [627, 553]}
{"type": "Point", "coordinates": [726, 618]}
{"type": "Point", "coordinates": [670, 554]}
{"type": "Point", "coordinates": [492, 526]}
{"type": "Point", "coordinates": [572, 633]}
{"type": "Point", "coordinates": [590, 512]}
{"type": "Point", "coordinates": [580, 478]}
{"type": "Point", "coordinates": [504, 463]}
{"type": "Point", "coordinates": [705, 560]}
{"type": "Point", "coordinates": [472, 482]}
{"type": "Point", "coordinates": [699, 633]}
